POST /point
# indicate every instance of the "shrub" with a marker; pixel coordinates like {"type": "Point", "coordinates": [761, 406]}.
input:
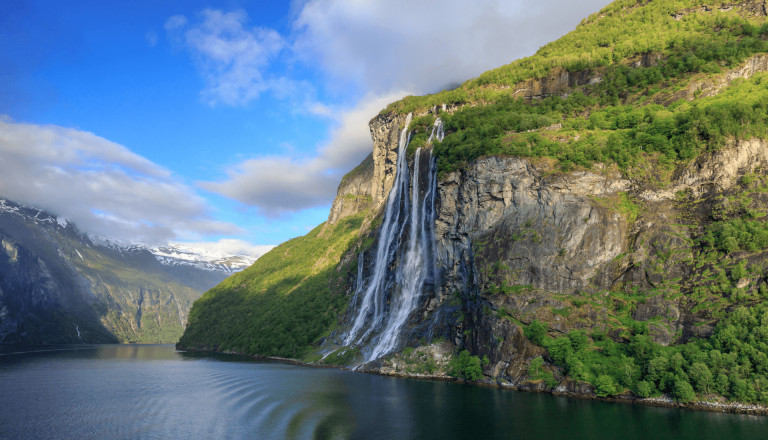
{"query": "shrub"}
{"type": "Point", "coordinates": [535, 331]}
{"type": "Point", "coordinates": [643, 389]}
{"type": "Point", "coordinates": [579, 339]}
{"type": "Point", "coordinates": [605, 385]}
{"type": "Point", "coordinates": [466, 366]}
{"type": "Point", "coordinates": [683, 391]}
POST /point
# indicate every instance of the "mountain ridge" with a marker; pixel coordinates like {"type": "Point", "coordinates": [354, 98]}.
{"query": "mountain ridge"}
{"type": "Point", "coordinates": [602, 235]}
{"type": "Point", "coordinates": [59, 285]}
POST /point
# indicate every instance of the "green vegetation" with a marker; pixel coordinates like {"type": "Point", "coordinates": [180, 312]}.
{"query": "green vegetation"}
{"type": "Point", "coordinates": [616, 36]}
{"type": "Point", "coordinates": [417, 362]}
{"type": "Point", "coordinates": [537, 372]}
{"type": "Point", "coordinates": [624, 134]}
{"type": "Point", "coordinates": [732, 363]}
{"type": "Point", "coordinates": [137, 306]}
{"type": "Point", "coordinates": [342, 356]}
{"type": "Point", "coordinates": [282, 304]}
{"type": "Point", "coordinates": [644, 53]}
{"type": "Point", "coordinates": [737, 234]}
{"type": "Point", "coordinates": [466, 366]}
{"type": "Point", "coordinates": [536, 331]}
{"type": "Point", "coordinates": [647, 93]}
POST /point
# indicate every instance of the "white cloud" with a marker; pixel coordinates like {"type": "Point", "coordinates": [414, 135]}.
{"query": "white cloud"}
{"type": "Point", "coordinates": [101, 186]}
{"type": "Point", "coordinates": [388, 49]}
{"type": "Point", "coordinates": [151, 38]}
{"type": "Point", "coordinates": [424, 46]}
{"type": "Point", "coordinates": [279, 185]}
{"type": "Point", "coordinates": [175, 22]}
{"type": "Point", "coordinates": [231, 58]}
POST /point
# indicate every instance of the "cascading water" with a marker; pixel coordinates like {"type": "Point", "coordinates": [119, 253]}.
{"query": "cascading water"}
{"type": "Point", "coordinates": [403, 265]}
{"type": "Point", "coordinates": [438, 132]}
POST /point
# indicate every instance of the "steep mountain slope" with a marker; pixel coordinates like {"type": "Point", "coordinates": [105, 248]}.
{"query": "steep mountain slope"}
{"type": "Point", "coordinates": [292, 295]}
{"type": "Point", "coordinates": [598, 219]}
{"type": "Point", "coordinates": [58, 285]}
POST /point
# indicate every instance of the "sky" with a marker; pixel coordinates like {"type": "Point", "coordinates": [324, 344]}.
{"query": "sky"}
{"type": "Point", "coordinates": [227, 124]}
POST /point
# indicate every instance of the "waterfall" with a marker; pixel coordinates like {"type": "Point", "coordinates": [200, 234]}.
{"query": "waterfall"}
{"type": "Point", "coordinates": [403, 264]}
{"type": "Point", "coordinates": [438, 132]}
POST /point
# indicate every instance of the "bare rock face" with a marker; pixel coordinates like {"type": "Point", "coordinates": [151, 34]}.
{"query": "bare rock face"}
{"type": "Point", "coordinates": [552, 233]}
{"type": "Point", "coordinates": [557, 81]}
{"type": "Point", "coordinates": [722, 169]}
{"type": "Point", "coordinates": [354, 194]}
{"type": "Point", "coordinates": [518, 240]}
{"type": "Point", "coordinates": [385, 132]}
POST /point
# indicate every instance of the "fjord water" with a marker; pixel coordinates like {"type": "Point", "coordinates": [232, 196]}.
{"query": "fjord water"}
{"type": "Point", "coordinates": [129, 391]}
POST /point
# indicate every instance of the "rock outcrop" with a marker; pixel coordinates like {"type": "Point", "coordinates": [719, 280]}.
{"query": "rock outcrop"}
{"type": "Point", "coordinates": [518, 240]}
{"type": "Point", "coordinates": [355, 192]}
{"type": "Point", "coordinates": [385, 132]}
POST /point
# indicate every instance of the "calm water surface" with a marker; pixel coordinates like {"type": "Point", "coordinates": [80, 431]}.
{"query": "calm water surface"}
{"type": "Point", "coordinates": [126, 392]}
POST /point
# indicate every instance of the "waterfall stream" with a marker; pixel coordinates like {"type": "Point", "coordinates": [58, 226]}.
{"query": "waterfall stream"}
{"type": "Point", "coordinates": [403, 263]}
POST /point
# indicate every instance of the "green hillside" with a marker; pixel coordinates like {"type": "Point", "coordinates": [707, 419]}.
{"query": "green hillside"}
{"type": "Point", "coordinates": [281, 304]}
{"type": "Point", "coordinates": [644, 88]}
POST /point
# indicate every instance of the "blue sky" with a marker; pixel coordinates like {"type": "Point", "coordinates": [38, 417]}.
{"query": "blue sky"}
{"type": "Point", "coordinates": [201, 121]}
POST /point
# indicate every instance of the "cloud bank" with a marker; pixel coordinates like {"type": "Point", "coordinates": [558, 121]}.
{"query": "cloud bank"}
{"type": "Point", "coordinates": [278, 185]}
{"type": "Point", "coordinates": [101, 186]}
{"type": "Point", "coordinates": [382, 50]}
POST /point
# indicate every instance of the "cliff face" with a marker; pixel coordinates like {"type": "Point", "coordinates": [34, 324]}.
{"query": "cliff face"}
{"type": "Point", "coordinates": [385, 133]}
{"type": "Point", "coordinates": [519, 240]}
{"type": "Point", "coordinates": [605, 234]}
{"type": "Point", "coordinates": [58, 285]}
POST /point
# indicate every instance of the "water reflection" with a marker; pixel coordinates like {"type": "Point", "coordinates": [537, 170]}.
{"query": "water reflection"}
{"type": "Point", "coordinates": [155, 392]}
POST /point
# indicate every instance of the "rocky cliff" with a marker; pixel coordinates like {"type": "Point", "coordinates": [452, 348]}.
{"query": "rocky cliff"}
{"type": "Point", "coordinates": [596, 224]}
{"type": "Point", "coordinates": [519, 240]}
{"type": "Point", "coordinates": [58, 285]}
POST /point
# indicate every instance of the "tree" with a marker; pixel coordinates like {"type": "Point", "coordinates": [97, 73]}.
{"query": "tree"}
{"type": "Point", "coordinates": [722, 384]}
{"type": "Point", "coordinates": [560, 349]}
{"type": "Point", "coordinates": [702, 377]}
{"type": "Point", "coordinates": [627, 370]}
{"type": "Point", "coordinates": [535, 331]}
{"type": "Point", "coordinates": [535, 368]}
{"type": "Point", "coordinates": [657, 367]}
{"type": "Point", "coordinates": [643, 389]}
{"type": "Point", "coordinates": [466, 366]}
{"type": "Point", "coordinates": [605, 386]}
{"type": "Point", "coordinates": [579, 339]}
{"type": "Point", "coordinates": [575, 367]}
{"type": "Point", "coordinates": [683, 391]}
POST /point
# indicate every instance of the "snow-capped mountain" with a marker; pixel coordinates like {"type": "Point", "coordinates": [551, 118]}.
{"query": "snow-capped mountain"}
{"type": "Point", "coordinates": [60, 285]}
{"type": "Point", "coordinates": [177, 254]}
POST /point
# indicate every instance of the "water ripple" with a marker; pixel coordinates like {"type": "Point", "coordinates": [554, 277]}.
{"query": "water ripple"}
{"type": "Point", "coordinates": [145, 393]}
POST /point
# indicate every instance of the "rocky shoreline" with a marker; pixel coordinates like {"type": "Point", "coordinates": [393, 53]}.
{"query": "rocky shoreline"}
{"type": "Point", "coordinates": [570, 389]}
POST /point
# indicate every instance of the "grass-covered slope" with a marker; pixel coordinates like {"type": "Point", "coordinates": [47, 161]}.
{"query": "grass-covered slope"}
{"type": "Point", "coordinates": [623, 68]}
{"type": "Point", "coordinates": [687, 35]}
{"type": "Point", "coordinates": [282, 303]}
{"type": "Point", "coordinates": [647, 88]}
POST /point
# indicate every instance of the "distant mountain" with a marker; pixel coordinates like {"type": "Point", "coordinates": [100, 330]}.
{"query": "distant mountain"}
{"type": "Point", "coordinates": [178, 255]}
{"type": "Point", "coordinates": [59, 285]}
